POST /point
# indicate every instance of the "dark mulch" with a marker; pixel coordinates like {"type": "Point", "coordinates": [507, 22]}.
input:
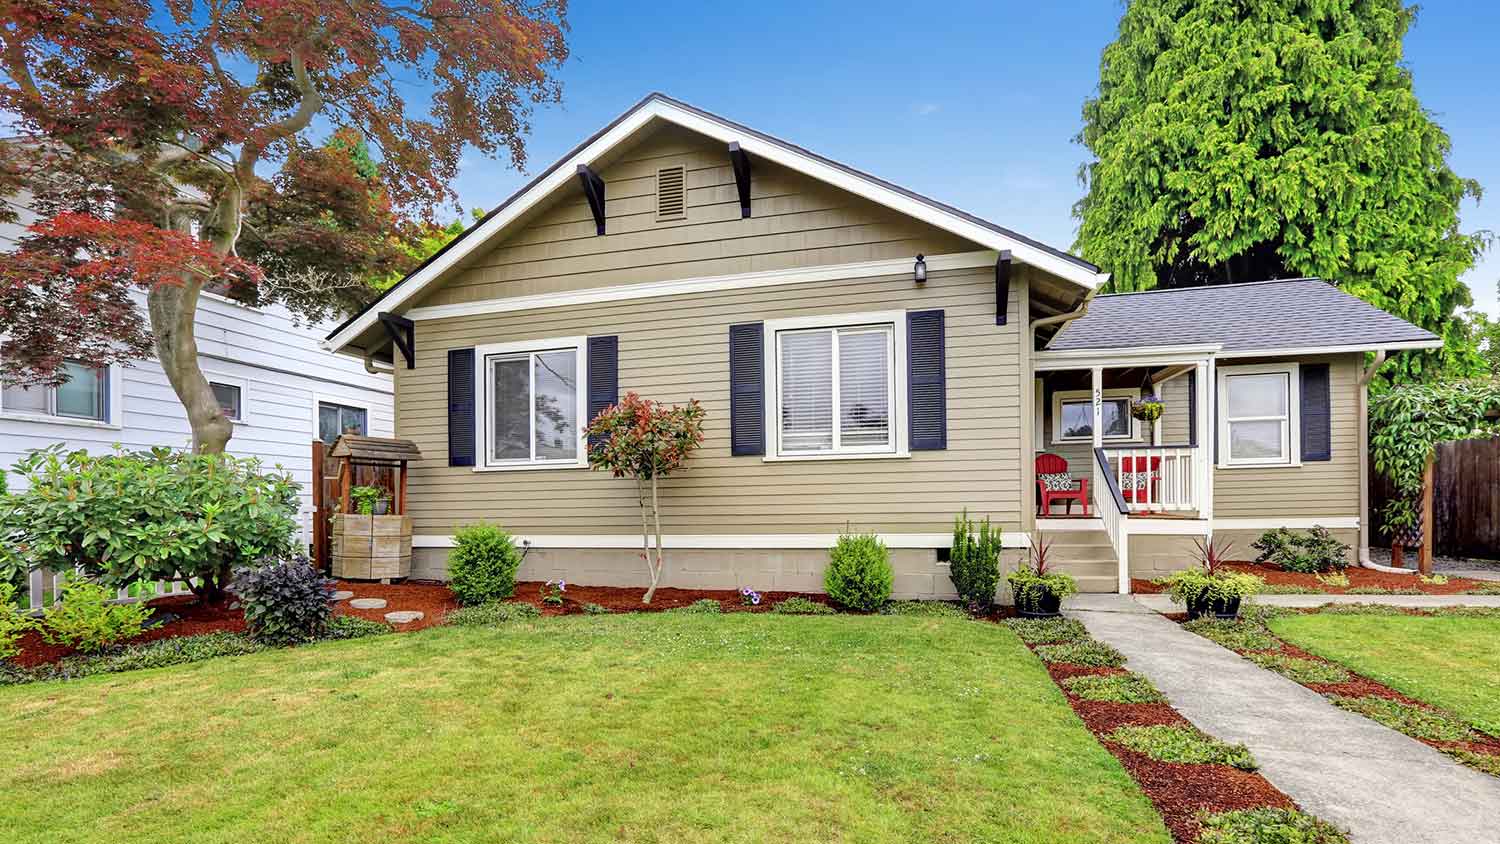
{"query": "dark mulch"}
{"type": "Point", "coordinates": [1062, 670]}
{"type": "Point", "coordinates": [1358, 577]}
{"type": "Point", "coordinates": [1102, 716]}
{"type": "Point", "coordinates": [1179, 791]}
{"type": "Point", "coordinates": [434, 600]}
{"type": "Point", "coordinates": [628, 599]}
{"type": "Point", "coordinates": [192, 618]}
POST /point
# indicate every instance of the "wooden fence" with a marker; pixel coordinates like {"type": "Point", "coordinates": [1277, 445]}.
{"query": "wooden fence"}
{"type": "Point", "coordinates": [1465, 500]}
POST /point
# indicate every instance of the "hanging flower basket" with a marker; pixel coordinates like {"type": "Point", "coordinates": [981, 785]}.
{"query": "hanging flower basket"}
{"type": "Point", "coordinates": [1147, 409]}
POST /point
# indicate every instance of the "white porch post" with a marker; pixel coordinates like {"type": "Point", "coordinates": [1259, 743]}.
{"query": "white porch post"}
{"type": "Point", "coordinates": [1208, 435]}
{"type": "Point", "coordinates": [1098, 378]}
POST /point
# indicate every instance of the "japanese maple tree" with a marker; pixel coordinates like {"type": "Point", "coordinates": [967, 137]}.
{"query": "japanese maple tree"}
{"type": "Point", "coordinates": [261, 149]}
{"type": "Point", "coordinates": [645, 440]}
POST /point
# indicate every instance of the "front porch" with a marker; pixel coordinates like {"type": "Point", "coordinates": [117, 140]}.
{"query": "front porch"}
{"type": "Point", "coordinates": [1100, 474]}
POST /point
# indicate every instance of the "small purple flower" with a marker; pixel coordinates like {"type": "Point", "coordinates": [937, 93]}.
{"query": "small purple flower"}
{"type": "Point", "coordinates": [562, 586]}
{"type": "Point", "coordinates": [755, 597]}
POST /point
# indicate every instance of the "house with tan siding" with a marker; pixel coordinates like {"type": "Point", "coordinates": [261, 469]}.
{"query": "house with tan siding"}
{"type": "Point", "coordinates": [869, 359]}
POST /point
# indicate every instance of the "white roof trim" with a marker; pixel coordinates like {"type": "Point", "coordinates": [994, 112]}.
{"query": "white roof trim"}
{"type": "Point", "coordinates": [654, 108]}
{"type": "Point", "coordinates": [1373, 346]}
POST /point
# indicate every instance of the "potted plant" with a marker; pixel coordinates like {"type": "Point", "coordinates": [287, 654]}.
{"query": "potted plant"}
{"type": "Point", "coordinates": [1038, 590]}
{"type": "Point", "coordinates": [1147, 408]}
{"type": "Point", "coordinates": [1211, 588]}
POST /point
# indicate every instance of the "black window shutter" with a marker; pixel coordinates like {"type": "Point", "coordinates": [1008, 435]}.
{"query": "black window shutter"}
{"type": "Point", "coordinates": [1317, 436]}
{"type": "Point", "coordinates": [604, 376]}
{"type": "Point", "coordinates": [460, 407]}
{"type": "Point", "coordinates": [747, 389]}
{"type": "Point", "coordinates": [926, 381]}
{"type": "Point", "coordinates": [1192, 403]}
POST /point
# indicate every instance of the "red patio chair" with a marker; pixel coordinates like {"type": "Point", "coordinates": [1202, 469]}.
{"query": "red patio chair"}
{"type": "Point", "coordinates": [1135, 489]}
{"type": "Point", "coordinates": [1051, 464]}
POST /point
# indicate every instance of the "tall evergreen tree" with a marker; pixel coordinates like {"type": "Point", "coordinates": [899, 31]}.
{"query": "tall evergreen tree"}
{"type": "Point", "coordinates": [1242, 140]}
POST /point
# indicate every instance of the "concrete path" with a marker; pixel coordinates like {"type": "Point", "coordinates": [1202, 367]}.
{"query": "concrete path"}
{"type": "Point", "coordinates": [1380, 785]}
{"type": "Point", "coordinates": [1162, 603]}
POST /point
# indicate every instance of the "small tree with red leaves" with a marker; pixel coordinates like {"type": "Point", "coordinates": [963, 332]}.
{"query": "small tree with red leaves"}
{"type": "Point", "coordinates": [645, 440]}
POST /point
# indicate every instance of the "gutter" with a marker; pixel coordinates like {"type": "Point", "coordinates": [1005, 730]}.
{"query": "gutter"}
{"type": "Point", "coordinates": [1081, 310]}
{"type": "Point", "coordinates": [1365, 378]}
{"type": "Point", "coordinates": [375, 368]}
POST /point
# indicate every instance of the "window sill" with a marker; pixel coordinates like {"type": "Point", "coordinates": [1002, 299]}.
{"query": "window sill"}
{"type": "Point", "coordinates": [794, 458]}
{"type": "Point", "coordinates": [1294, 465]}
{"type": "Point", "coordinates": [1107, 441]}
{"type": "Point", "coordinates": [531, 467]}
{"type": "Point", "coordinates": [45, 419]}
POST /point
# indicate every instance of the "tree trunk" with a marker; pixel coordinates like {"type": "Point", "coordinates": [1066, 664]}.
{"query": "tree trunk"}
{"type": "Point", "coordinates": [640, 498]}
{"type": "Point", "coordinates": [656, 514]}
{"type": "Point", "coordinates": [174, 311]}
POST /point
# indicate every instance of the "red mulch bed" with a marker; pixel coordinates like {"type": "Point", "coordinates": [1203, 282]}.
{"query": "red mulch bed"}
{"type": "Point", "coordinates": [1358, 577]}
{"type": "Point", "coordinates": [1178, 791]}
{"type": "Point", "coordinates": [434, 600]}
{"type": "Point", "coordinates": [628, 599]}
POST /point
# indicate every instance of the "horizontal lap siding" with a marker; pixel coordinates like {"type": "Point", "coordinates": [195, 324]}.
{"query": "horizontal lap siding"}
{"type": "Point", "coordinates": [1326, 488]}
{"type": "Point", "coordinates": [675, 349]}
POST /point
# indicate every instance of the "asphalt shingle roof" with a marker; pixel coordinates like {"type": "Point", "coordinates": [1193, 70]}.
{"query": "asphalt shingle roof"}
{"type": "Point", "coordinates": [1284, 314]}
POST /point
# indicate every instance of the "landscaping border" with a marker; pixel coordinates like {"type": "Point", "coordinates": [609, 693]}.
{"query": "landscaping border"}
{"type": "Point", "coordinates": [1351, 691]}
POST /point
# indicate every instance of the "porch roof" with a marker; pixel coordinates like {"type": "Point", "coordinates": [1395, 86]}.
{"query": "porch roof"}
{"type": "Point", "coordinates": [1302, 315]}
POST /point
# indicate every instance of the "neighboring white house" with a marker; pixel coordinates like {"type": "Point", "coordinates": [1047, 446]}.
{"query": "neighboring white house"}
{"type": "Point", "coordinates": [281, 389]}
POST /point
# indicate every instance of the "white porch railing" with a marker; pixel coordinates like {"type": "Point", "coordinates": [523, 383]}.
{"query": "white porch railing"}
{"type": "Point", "coordinates": [1113, 513]}
{"type": "Point", "coordinates": [44, 587]}
{"type": "Point", "coordinates": [1155, 478]}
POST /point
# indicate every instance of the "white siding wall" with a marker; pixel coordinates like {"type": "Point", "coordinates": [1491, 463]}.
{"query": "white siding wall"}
{"type": "Point", "coordinates": [283, 373]}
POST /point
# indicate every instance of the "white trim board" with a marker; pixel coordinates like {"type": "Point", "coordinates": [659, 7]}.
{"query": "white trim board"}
{"type": "Point", "coordinates": [1196, 527]}
{"type": "Point", "coordinates": [704, 284]}
{"type": "Point", "coordinates": [657, 107]}
{"type": "Point", "coordinates": [722, 541]}
{"type": "Point", "coordinates": [1266, 523]}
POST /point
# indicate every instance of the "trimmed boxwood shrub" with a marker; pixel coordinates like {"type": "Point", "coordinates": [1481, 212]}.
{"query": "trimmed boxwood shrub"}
{"type": "Point", "coordinates": [85, 619]}
{"type": "Point", "coordinates": [285, 603]}
{"type": "Point", "coordinates": [974, 561]}
{"type": "Point", "coordinates": [859, 574]}
{"type": "Point", "coordinates": [483, 564]}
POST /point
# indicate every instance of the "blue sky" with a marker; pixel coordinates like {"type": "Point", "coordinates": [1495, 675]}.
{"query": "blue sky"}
{"type": "Point", "coordinates": [975, 104]}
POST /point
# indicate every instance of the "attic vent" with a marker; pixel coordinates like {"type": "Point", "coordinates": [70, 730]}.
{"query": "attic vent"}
{"type": "Point", "coordinates": [671, 193]}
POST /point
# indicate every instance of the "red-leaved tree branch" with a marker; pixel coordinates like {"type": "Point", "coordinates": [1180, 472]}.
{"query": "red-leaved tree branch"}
{"type": "Point", "coordinates": [271, 150]}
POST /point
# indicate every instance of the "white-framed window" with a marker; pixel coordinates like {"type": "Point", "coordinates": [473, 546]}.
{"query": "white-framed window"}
{"type": "Point", "coordinates": [230, 394]}
{"type": "Point", "coordinates": [1073, 415]}
{"type": "Point", "coordinates": [89, 395]}
{"type": "Point", "coordinates": [533, 404]}
{"type": "Point", "coordinates": [837, 386]}
{"type": "Point", "coordinates": [1258, 415]}
{"type": "Point", "coordinates": [336, 417]}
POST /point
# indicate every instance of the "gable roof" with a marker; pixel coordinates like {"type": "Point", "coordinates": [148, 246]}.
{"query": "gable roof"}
{"type": "Point", "coordinates": [757, 144]}
{"type": "Point", "coordinates": [1266, 317]}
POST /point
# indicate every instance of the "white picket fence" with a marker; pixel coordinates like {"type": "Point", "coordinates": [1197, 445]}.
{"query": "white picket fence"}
{"type": "Point", "coordinates": [44, 587]}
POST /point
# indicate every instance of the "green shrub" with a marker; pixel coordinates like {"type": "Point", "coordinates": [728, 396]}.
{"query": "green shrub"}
{"type": "Point", "coordinates": [365, 498]}
{"type": "Point", "coordinates": [492, 614]}
{"type": "Point", "coordinates": [1040, 631]}
{"type": "Point", "coordinates": [1434, 580]}
{"type": "Point", "coordinates": [1307, 552]}
{"type": "Point", "coordinates": [1267, 826]}
{"type": "Point", "coordinates": [974, 561]}
{"type": "Point", "coordinates": [798, 605]}
{"type": "Point", "coordinates": [157, 515]}
{"type": "Point", "coordinates": [859, 574]}
{"type": "Point", "coordinates": [1300, 670]}
{"type": "Point", "coordinates": [1168, 743]}
{"type": "Point", "coordinates": [702, 605]}
{"type": "Point", "coordinates": [1234, 635]}
{"type": "Point", "coordinates": [933, 609]}
{"type": "Point", "coordinates": [85, 619]}
{"type": "Point", "coordinates": [158, 654]}
{"type": "Point", "coordinates": [1337, 580]}
{"type": "Point", "coordinates": [1115, 688]}
{"type": "Point", "coordinates": [1415, 721]}
{"type": "Point", "coordinates": [286, 602]}
{"type": "Point", "coordinates": [482, 566]}
{"type": "Point", "coordinates": [1087, 652]}
{"type": "Point", "coordinates": [14, 622]}
{"type": "Point", "coordinates": [353, 627]}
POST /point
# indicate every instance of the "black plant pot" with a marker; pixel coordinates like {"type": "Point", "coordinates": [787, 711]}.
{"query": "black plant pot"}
{"type": "Point", "coordinates": [1038, 604]}
{"type": "Point", "coordinates": [1203, 605]}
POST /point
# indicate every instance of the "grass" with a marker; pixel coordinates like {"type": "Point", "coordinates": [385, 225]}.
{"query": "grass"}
{"type": "Point", "coordinates": [1405, 718]}
{"type": "Point", "coordinates": [1167, 743]}
{"type": "Point", "coordinates": [1087, 652]}
{"type": "Point", "coordinates": [1449, 660]}
{"type": "Point", "coordinates": [1115, 688]}
{"type": "Point", "coordinates": [626, 727]}
{"type": "Point", "coordinates": [1300, 670]}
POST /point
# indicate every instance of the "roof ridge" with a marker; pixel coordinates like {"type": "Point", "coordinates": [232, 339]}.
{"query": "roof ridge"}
{"type": "Point", "coordinates": [1218, 286]}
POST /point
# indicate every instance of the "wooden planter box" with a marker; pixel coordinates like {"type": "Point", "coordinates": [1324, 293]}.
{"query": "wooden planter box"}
{"type": "Point", "coordinates": [371, 547]}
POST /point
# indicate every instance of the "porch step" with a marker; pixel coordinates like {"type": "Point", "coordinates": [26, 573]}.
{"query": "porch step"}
{"type": "Point", "coordinates": [1088, 556]}
{"type": "Point", "coordinates": [1095, 584]}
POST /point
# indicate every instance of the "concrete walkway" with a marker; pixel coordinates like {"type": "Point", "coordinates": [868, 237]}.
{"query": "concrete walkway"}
{"type": "Point", "coordinates": [1162, 603]}
{"type": "Point", "coordinates": [1380, 785]}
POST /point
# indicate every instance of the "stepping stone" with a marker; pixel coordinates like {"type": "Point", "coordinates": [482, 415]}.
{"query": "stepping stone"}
{"type": "Point", "coordinates": [343, 595]}
{"type": "Point", "coordinates": [403, 616]}
{"type": "Point", "coordinates": [368, 603]}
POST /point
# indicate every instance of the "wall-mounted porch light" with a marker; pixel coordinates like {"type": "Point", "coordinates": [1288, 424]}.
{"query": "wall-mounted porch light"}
{"type": "Point", "coordinates": [919, 270]}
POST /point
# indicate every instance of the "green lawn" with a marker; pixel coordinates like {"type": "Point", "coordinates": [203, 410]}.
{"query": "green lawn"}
{"type": "Point", "coordinates": [1449, 661]}
{"type": "Point", "coordinates": [667, 727]}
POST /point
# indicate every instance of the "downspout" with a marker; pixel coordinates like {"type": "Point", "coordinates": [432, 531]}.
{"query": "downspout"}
{"type": "Point", "coordinates": [376, 369]}
{"type": "Point", "coordinates": [1364, 468]}
{"type": "Point", "coordinates": [1081, 310]}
